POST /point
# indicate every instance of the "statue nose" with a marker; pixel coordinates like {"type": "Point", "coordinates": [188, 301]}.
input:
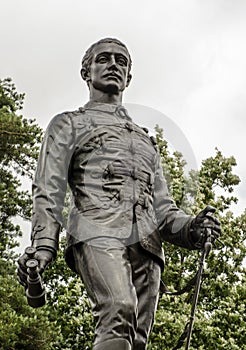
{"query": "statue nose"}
{"type": "Point", "coordinates": [112, 62]}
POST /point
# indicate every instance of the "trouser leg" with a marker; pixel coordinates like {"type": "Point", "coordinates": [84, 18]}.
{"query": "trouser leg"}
{"type": "Point", "coordinates": [123, 285]}
{"type": "Point", "coordinates": [113, 344]}
{"type": "Point", "coordinates": [146, 278]}
{"type": "Point", "coordinates": [107, 275]}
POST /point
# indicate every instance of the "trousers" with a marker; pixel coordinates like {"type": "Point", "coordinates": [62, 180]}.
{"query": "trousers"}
{"type": "Point", "coordinates": [122, 283]}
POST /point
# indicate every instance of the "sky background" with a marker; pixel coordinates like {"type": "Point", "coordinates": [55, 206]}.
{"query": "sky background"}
{"type": "Point", "coordinates": [189, 64]}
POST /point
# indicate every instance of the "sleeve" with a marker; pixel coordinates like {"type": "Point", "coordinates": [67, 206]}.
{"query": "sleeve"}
{"type": "Point", "coordinates": [173, 223]}
{"type": "Point", "coordinates": [50, 183]}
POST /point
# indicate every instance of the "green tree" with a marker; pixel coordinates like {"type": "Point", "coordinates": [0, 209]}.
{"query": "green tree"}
{"type": "Point", "coordinates": [220, 317]}
{"type": "Point", "coordinates": [19, 144]}
{"type": "Point", "coordinates": [65, 322]}
{"type": "Point", "coordinates": [20, 326]}
{"type": "Point", "coordinates": [68, 306]}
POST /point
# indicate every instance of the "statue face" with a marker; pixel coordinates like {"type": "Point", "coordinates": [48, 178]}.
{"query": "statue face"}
{"type": "Point", "coordinates": [109, 68]}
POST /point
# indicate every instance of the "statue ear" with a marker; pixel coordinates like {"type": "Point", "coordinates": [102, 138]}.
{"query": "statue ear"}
{"type": "Point", "coordinates": [85, 74]}
{"type": "Point", "coordinates": [129, 78]}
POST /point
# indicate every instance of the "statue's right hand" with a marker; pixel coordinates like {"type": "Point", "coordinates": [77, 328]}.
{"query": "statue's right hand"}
{"type": "Point", "coordinates": [43, 256]}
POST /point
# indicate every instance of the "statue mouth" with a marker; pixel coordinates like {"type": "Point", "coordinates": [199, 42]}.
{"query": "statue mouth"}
{"type": "Point", "coordinates": [112, 76]}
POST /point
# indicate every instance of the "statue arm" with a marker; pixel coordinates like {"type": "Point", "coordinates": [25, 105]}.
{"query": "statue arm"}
{"type": "Point", "coordinates": [173, 223]}
{"type": "Point", "coordinates": [50, 183]}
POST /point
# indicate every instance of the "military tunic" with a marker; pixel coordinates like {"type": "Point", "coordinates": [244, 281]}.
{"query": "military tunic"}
{"type": "Point", "coordinates": [114, 172]}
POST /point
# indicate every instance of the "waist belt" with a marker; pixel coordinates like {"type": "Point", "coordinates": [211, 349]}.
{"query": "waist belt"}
{"type": "Point", "coordinates": [135, 172]}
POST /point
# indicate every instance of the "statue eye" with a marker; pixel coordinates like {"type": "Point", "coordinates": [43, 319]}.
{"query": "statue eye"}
{"type": "Point", "coordinates": [102, 59]}
{"type": "Point", "coordinates": [122, 61]}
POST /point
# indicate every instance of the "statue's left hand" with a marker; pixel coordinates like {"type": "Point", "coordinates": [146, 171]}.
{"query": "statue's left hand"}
{"type": "Point", "coordinates": [22, 270]}
{"type": "Point", "coordinates": [43, 256]}
{"type": "Point", "coordinates": [200, 225]}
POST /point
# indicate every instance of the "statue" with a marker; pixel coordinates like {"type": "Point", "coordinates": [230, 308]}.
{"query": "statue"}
{"type": "Point", "coordinates": [120, 208]}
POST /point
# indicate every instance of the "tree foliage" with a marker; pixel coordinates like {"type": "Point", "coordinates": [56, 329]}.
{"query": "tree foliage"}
{"type": "Point", "coordinates": [19, 144]}
{"type": "Point", "coordinates": [65, 322]}
{"type": "Point", "coordinates": [220, 317]}
{"type": "Point", "coordinates": [20, 326]}
{"type": "Point", "coordinates": [69, 306]}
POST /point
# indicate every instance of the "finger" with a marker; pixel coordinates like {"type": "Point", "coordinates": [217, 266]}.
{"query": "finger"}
{"type": "Point", "coordinates": [22, 262]}
{"type": "Point", "coordinates": [22, 277]}
{"type": "Point", "coordinates": [210, 216]}
{"type": "Point", "coordinates": [211, 220]}
{"type": "Point", "coordinates": [215, 236]}
{"type": "Point", "coordinates": [207, 224]}
{"type": "Point", "coordinates": [214, 229]}
{"type": "Point", "coordinates": [217, 233]}
{"type": "Point", "coordinates": [206, 211]}
{"type": "Point", "coordinates": [216, 221]}
{"type": "Point", "coordinates": [42, 265]}
{"type": "Point", "coordinates": [209, 209]}
{"type": "Point", "coordinates": [43, 262]}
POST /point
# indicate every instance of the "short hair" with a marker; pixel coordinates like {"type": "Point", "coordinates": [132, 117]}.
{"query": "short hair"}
{"type": "Point", "coordinates": [87, 59]}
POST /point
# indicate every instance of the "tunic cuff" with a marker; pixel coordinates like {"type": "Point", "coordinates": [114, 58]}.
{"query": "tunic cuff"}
{"type": "Point", "coordinates": [46, 244]}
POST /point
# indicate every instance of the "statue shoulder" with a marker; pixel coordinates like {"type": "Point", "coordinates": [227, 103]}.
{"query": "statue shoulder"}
{"type": "Point", "coordinates": [65, 117]}
{"type": "Point", "coordinates": [145, 132]}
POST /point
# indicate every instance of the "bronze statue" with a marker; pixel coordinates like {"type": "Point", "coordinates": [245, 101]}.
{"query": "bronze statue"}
{"type": "Point", "coordinates": [120, 208]}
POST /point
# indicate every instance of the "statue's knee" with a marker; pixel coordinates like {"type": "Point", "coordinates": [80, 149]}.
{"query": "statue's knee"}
{"type": "Point", "coordinates": [128, 308]}
{"type": "Point", "coordinates": [121, 314]}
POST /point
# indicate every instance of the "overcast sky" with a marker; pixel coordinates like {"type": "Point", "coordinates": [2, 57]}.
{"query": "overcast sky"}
{"type": "Point", "coordinates": [189, 63]}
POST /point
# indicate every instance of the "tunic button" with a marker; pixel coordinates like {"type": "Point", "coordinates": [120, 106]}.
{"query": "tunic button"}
{"type": "Point", "coordinates": [82, 109]}
{"type": "Point", "coordinates": [129, 126]}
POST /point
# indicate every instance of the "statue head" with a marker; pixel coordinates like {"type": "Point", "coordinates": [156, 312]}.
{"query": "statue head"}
{"type": "Point", "coordinates": [88, 57]}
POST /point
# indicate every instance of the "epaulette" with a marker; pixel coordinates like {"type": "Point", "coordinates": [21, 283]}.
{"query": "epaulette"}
{"type": "Point", "coordinates": [77, 111]}
{"type": "Point", "coordinates": [146, 130]}
{"type": "Point", "coordinates": [154, 142]}
{"type": "Point", "coordinates": [81, 109]}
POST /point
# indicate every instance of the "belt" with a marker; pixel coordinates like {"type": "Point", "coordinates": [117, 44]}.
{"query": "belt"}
{"type": "Point", "coordinates": [135, 172]}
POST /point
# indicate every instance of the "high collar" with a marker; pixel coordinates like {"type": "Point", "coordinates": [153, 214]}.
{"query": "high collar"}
{"type": "Point", "coordinates": [105, 107]}
{"type": "Point", "coordinates": [108, 107]}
